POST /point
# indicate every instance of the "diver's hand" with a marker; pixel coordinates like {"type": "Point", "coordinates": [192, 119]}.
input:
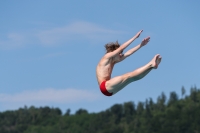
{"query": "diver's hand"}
{"type": "Point", "coordinates": [145, 41]}
{"type": "Point", "coordinates": [138, 34]}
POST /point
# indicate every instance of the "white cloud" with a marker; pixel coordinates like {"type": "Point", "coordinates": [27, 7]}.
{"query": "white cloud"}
{"type": "Point", "coordinates": [75, 31]}
{"type": "Point", "coordinates": [48, 97]}
{"type": "Point", "coordinates": [12, 40]}
{"type": "Point", "coordinates": [70, 33]}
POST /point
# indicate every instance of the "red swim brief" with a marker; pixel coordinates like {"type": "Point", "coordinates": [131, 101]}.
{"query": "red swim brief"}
{"type": "Point", "coordinates": [104, 90]}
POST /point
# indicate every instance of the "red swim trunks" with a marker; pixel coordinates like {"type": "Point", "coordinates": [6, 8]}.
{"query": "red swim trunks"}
{"type": "Point", "coordinates": [104, 90]}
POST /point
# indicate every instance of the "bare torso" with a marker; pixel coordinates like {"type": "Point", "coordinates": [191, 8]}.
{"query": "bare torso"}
{"type": "Point", "coordinates": [104, 69]}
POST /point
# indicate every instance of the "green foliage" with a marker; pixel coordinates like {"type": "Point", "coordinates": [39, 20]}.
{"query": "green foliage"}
{"type": "Point", "coordinates": [164, 116]}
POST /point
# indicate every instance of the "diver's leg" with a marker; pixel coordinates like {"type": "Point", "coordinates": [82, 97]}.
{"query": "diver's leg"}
{"type": "Point", "coordinates": [117, 83]}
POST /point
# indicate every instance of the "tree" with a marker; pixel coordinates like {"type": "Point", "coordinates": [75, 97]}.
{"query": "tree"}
{"type": "Point", "coordinates": [183, 91]}
{"type": "Point", "coordinates": [129, 111]}
{"type": "Point", "coordinates": [161, 100]}
{"type": "Point", "coordinates": [81, 111]}
{"type": "Point", "coordinates": [173, 98]}
{"type": "Point", "coordinates": [178, 116]}
{"type": "Point", "coordinates": [140, 108]}
{"type": "Point", "coordinates": [68, 112]}
{"type": "Point", "coordinates": [117, 111]}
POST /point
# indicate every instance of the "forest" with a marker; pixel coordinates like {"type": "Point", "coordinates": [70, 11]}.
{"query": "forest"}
{"type": "Point", "coordinates": [175, 114]}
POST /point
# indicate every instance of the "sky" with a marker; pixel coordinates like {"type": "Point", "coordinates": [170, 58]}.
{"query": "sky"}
{"type": "Point", "coordinates": [49, 51]}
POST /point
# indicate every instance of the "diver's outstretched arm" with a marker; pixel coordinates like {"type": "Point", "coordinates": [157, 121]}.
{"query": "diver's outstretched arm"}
{"type": "Point", "coordinates": [133, 50]}
{"type": "Point", "coordinates": [127, 43]}
{"type": "Point", "coordinates": [123, 46]}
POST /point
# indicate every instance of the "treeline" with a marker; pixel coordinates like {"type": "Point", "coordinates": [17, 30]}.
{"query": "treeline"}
{"type": "Point", "coordinates": [166, 115]}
